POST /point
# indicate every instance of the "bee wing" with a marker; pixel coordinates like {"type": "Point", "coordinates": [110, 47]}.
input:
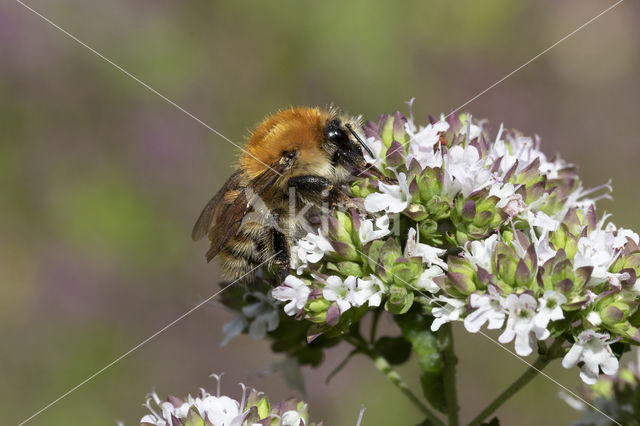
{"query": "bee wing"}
{"type": "Point", "coordinates": [227, 224]}
{"type": "Point", "coordinates": [213, 208]}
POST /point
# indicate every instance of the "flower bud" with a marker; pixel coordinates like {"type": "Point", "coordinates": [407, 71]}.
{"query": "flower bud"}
{"type": "Point", "coordinates": [460, 280]}
{"type": "Point", "coordinates": [400, 299]}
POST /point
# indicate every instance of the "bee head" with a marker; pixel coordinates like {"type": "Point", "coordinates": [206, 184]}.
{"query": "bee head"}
{"type": "Point", "coordinates": [305, 141]}
{"type": "Point", "coordinates": [346, 144]}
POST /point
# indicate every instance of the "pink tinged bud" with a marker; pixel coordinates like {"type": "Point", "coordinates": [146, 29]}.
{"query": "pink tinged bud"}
{"type": "Point", "coordinates": [333, 314]}
{"type": "Point", "coordinates": [395, 154]}
{"type": "Point", "coordinates": [611, 315]}
{"type": "Point", "coordinates": [469, 210]}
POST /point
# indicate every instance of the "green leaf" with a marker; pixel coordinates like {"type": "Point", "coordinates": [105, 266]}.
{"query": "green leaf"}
{"type": "Point", "coordinates": [433, 390]}
{"type": "Point", "coordinates": [193, 419]}
{"type": "Point", "coordinates": [416, 330]}
{"type": "Point", "coordinates": [396, 350]}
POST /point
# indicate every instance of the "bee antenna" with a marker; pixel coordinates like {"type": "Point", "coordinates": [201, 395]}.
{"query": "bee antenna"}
{"type": "Point", "coordinates": [364, 145]}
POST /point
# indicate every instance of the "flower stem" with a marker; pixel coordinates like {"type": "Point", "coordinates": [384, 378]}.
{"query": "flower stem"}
{"type": "Point", "coordinates": [383, 365]}
{"type": "Point", "coordinates": [374, 326]}
{"type": "Point", "coordinates": [450, 360]}
{"type": "Point", "coordinates": [543, 360]}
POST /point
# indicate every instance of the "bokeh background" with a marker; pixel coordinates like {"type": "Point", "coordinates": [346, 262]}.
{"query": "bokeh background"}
{"type": "Point", "coordinates": [101, 180]}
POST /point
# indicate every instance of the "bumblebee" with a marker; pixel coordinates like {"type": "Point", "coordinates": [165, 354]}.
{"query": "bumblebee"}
{"type": "Point", "coordinates": [294, 160]}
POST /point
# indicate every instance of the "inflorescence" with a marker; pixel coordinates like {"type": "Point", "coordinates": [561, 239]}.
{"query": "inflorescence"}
{"type": "Point", "coordinates": [206, 409]}
{"type": "Point", "coordinates": [470, 226]}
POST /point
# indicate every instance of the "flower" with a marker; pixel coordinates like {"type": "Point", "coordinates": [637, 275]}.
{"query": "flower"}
{"type": "Point", "coordinates": [429, 254]}
{"type": "Point", "coordinates": [367, 233]}
{"type": "Point", "coordinates": [593, 349]}
{"type": "Point", "coordinates": [376, 147]}
{"type": "Point", "coordinates": [370, 289]}
{"type": "Point", "coordinates": [594, 318]}
{"type": "Point", "coordinates": [464, 171]}
{"type": "Point", "coordinates": [391, 198]}
{"type": "Point", "coordinates": [542, 221]}
{"type": "Point", "coordinates": [294, 290]}
{"type": "Point", "coordinates": [423, 141]}
{"type": "Point", "coordinates": [425, 280]}
{"type": "Point", "coordinates": [489, 309]}
{"type": "Point", "coordinates": [220, 411]}
{"type": "Point", "coordinates": [254, 408]}
{"type": "Point", "coordinates": [599, 249]}
{"type": "Point", "coordinates": [233, 328]}
{"type": "Point", "coordinates": [340, 291]}
{"type": "Point", "coordinates": [549, 308]}
{"type": "Point", "coordinates": [479, 252]}
{"type": "Point", "coordinates": [312, 247]}
{"type": "Point", "coordinates": [510, 201]}
{"type": "Point", "coordinates": [263, 313]}
{"type": "Point", "coordinates": [292, 418]}
{"type": "Point", "coordinates": [521, 324]}
{"type": "Point", "coordinates": [450, 311]}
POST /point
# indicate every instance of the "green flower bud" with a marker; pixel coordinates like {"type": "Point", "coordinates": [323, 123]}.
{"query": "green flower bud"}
{"type": "Point", "coordinates": [430, 183]}
{"type": "Point", "coordinates": [505, 261]}
{"type": "Point", "coordinates": [395, 155]}
{"type": "Point", "coordinates": [346, 268]}
{"type": "Point", "coordinates": [406, 271]}
{"type": "Point", "coordinates": [386, 133]}
{"type": "Point", "coordinates": [460, 279]}
{"type": "Point", "coordinates": [361, 188]}
{"type": "Point", "coordinates": [399, 300]}
{"type": "Point", "coordinates": [389, 253]}
{"type": "Point", "coordinates": [372, 251]}
{"type": "Point", "coordinates": [340, 227]}
{"type": "Point", "coordinates": [530, 174]}
{"type": "Point", "coordinates": [317, 310]}
{"type": "Point", "coordinates": [617, 307]}
{"type": "Point", "coordinates": [416, 212]}
{"type": "Point", "coordinates": [263, 407]}
{"type": "Point", "coordinates": [345, 250]}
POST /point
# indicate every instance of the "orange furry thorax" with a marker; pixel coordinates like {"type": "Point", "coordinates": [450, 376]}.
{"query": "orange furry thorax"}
{"type": "Point", "coordinates": [300, 129]}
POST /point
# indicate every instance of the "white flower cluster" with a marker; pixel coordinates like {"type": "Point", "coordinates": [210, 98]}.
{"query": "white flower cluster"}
{"type": "Point", "coordinates": [347, 292]}
{"type": "Point", "coordinates": [351, 291]}
{"type": "Point", "coordinates": [260, 315]}
{"type": "Point", "coordinates": [489, 232]}
{"type": "Point", "coordinates": [221, 410]}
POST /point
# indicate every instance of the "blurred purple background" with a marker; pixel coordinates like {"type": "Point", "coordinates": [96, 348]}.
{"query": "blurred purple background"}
{"type": "Point", "coordinates": [101, 180]}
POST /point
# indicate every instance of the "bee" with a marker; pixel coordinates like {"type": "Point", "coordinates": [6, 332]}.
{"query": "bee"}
{"type": "Point", "coordinates": [295, 159]}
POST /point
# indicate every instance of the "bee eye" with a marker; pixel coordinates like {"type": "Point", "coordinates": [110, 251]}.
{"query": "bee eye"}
{"type": "Point", "coordinates": [289, 154]}
{"type": "Point", "coordinates": [335, 133]}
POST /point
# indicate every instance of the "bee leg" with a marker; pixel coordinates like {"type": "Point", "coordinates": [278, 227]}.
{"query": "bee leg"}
{"type": "Point", "coordinates": [337, 198]}
{"type": "Point", "coordinates": [319, 189]}
{"type": "Point", "coordinates": [312, 187]}
{"type": "Point", "coordinates": [280, 247]}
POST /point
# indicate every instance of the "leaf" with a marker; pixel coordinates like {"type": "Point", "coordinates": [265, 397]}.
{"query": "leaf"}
{"type": "Point", "coordinates": [433, 390]}
{"type": "Point", "coordinates": [396, 350]}
{"type": "Point", "coordinates": [193, 419]}
{"type": "Point", "coordinates": [416, 330]}
{"type": "Point", "coordinates": [290, 370]}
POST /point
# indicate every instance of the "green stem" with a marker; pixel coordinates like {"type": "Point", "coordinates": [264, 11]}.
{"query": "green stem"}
{"type": "Point", "coordinates": [543, 360]}
{"type": "Point", "coordinates": [383, 365]}
{"type": "Point", "coordinates": [374, 326]}
{"type": "Point", "coordinates": [341, 366]}
{"type": "Point", "coordinates": [445, 337]}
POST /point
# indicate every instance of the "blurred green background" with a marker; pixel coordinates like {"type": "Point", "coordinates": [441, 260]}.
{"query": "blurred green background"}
{"type": "Point", "coordinates": [101, 180]}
